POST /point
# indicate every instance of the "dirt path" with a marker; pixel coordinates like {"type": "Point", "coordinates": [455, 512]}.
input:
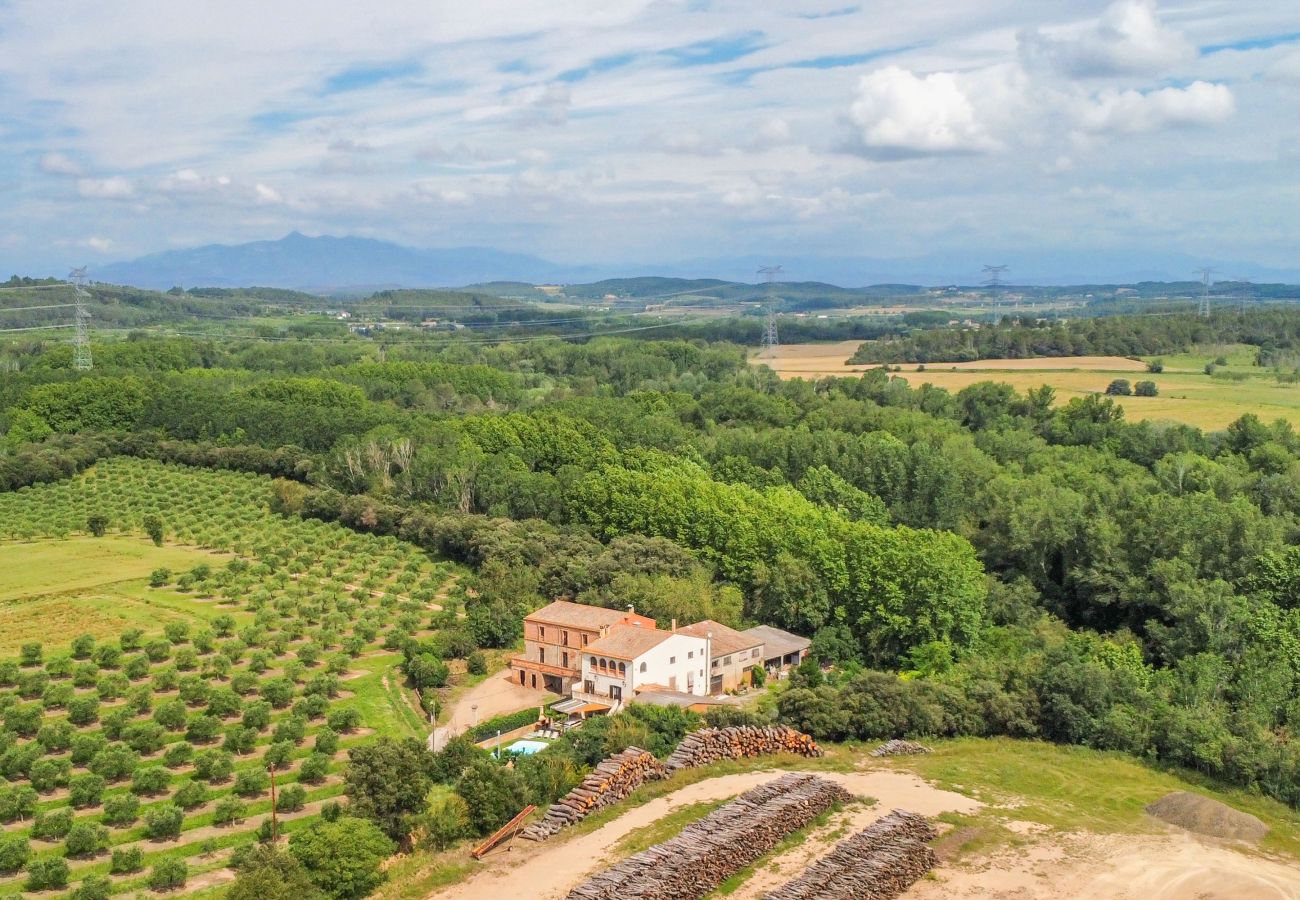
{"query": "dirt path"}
{"type": "Point", "coordinates": [1177, 866]}
{"type": "Point", "coordinates": [548, 871]}
{"type": "Point", "coordinates": [496, 695]}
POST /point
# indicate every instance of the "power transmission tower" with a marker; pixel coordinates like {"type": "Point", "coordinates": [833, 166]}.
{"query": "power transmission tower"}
{"type": "Point", "coordinates": [1205, 272]}
{"type": "Point", "coordinates": [81, 343]}
{"type": "Point", "coordinates": [1245, 287]}
{"type": "Point", "coordinates": [993, 281]}
{"type": "Point", "coordinates": [770, 342]}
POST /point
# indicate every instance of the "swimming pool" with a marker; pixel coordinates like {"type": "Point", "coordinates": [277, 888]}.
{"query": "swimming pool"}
{"type": "Point", "coordinates": [526, 747]}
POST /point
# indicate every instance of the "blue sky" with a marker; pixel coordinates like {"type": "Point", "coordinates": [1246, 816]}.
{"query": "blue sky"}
{"type": "Point", "coordinates": [629, 131]}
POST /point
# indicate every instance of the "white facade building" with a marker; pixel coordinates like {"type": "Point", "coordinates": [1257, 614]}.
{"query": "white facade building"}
{"type": "Point", "coordinates": [632, 658]}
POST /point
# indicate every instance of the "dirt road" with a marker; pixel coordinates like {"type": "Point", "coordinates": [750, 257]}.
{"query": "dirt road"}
{"type": "Point", "coordinates": [496, 695]}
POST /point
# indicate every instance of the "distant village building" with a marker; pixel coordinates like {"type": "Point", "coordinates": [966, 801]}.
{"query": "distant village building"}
{"type": "Point", "coordinates": [781, 649]}
{"type": "Point", "coordinates": [554, 638]}
{"type": "Point", "coordinates": [632, 658]}
{"type": "Point", "coordinates": [732, 655]}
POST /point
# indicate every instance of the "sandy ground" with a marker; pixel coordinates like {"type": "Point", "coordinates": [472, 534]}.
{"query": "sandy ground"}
{"type": "Point", "coordinates": [548, 871]}
{"type": "Point", "coordinates": [1178, 866]}
{"type": "Point", "coordinates": [496, 695]}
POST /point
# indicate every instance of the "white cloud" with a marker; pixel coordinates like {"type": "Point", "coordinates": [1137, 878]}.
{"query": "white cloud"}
{"type": "Point", "coordinates": [898, 113]}
{"type": "Point", "coordinates": [1129, 112]}
{"type": "Point", "coordinates": [59, 164]}
{"type": "Point", "coordinates": [774, 132]}
{"type": "Point", "coordinates": [1285, 69]}
{"type": "Point", "coordinates": [266, 194]}
{"type": "Point", "coordinates": [114, 188]}
{"type": "Point", "coordinates": [1128, 39]}
{"type": "Point", "coordinates": [99, 244]}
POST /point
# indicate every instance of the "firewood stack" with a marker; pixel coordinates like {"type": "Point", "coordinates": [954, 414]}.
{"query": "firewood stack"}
{"type": "Point", "coordinates": [878, 863]}
{"type": "Point", "coordinates": [711, 850]}
{"type": "Point", "coordinates": [609, 782]}
{"type": "Point", "coordinates": [709, 745]}
{"type": "Point", "coordinates": [900, 748]}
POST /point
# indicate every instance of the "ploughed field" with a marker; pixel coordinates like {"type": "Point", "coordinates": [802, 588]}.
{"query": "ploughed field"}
{"type": "Point", "coordinates": [145, 690]}
{"type": "Point", "coordinates": [1186, 393]}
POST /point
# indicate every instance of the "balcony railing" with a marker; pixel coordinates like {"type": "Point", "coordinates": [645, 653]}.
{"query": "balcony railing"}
{"type": "Point", "coordinates": [524, 662]}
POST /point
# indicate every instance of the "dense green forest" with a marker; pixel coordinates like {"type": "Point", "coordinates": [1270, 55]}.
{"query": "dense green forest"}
{"type": "Point", "coordinates": [1271, 329]}
{"type": "Point", "coordinates": [974, 563]}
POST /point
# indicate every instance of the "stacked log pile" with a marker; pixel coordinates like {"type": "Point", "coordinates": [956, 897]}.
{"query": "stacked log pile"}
{"type": "Point", "coordinates": [878, 863]}
{"type": "Point", "coordinates": [711, 850]}
{"type": "Point", "coordinates": [900, 748]}
{"type": "Point", "coordinates": [710, 745]}
{"type": "Point", "coordinates": [609, 782]}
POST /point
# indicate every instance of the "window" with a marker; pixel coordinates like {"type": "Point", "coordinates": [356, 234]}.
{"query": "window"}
{"type": "Point", "coordinates": [564, 638]}
{"type": "Point", "coordinates": [690, 654]}
{"type": "Point", "coordinates": [564, 660]}
{"type": "Point", "coordinates": [727, 661]}
{"type": "Point", "coordinates": [672, 660]}
{"type": "Point", "coordinates": [642, 669]}
{"type": "Point", "coordinates": [541, 654]}
{"type": "Point", "coordinates": [715, 664]}
{"type": "Point", "coordinates": [541, 632]}
{"type": "Point", "coordinates": [622, 668]}
{"type": "Point", "coordinates": [587, 637]}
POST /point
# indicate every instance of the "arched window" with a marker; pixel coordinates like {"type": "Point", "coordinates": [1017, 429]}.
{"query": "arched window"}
{"type": "Point", "coordinates": [642, 667]}
{"type": "Point", "coordinates": [604, 664]}
{"type": "Point", "coordinates": [622, 668]}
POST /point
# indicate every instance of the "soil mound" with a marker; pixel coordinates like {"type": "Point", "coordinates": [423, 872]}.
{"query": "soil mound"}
{"type": "Point", "coordinates": [1206, 816]}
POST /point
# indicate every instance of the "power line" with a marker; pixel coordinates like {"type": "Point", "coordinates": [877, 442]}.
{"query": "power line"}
{"type": "Point", "coordinates": [993, 281]}
{"type": "Point", "coordinates": [36, 328]}
{"type": "Point", "coordinates": [420, 342]}
{"type": "Point", "coordinates": [23, 308]}
{"type": "Point", "coordinates": [81, 360]}
{"type": "Point", "coordinates": [1205, 272]}
{"type": "Point", "coordinates": [770, 342]}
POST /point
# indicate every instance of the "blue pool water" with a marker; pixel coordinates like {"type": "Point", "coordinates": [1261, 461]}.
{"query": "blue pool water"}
{"type": "Point", "coordinates": [526, 747]}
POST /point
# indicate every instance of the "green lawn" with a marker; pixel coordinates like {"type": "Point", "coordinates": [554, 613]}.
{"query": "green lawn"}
{"type": "Point", "coordinates": [53, 590]}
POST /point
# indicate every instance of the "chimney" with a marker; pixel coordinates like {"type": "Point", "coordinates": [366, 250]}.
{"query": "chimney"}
{"type": "Point", "coordinates": [674, 628]}
{"type": "Point", "coordinates": [631, 609]}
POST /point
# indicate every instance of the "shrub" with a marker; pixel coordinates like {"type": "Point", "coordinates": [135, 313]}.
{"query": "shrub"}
{"type": "Point", "coordinates": [171, 714]}
{"type": "Point", "coordinates": [1156, 366]}
{"type": "Point", "coordinates": [166, 679]}
{"type": "Point", "coordinates": [126, 860]}
{"type": "Point", "coordinates": [343, 857]}
{"type": "Point", "coordinates": [85, 746]}
{"type": "Point", "coordinates": [14, 852]}
{"type": "Point", "coordinates": [92, 887]}
{"type": "Point", "coordinates": [190, 794]}
{"type": "Point", "coordinates": [203, 729]}
{"type": "Point", "coordinates": [257, 715]}
{"type": "Point", "coordinates": [178, 754]}
{"type": "Point", "coordinates": [278, 692]}
{"type": "Point", "coordinates": [85, 790]}
{"type": "Point", "coordinates": [164, 822]}
{"type": "Point", "coordinates": [292, 798]}
{"type": "Point", "coordinates": [476, 663]}
{"type": "Point", "coordinates": [160, 577]}
{"type": "Point", "coordinates": [30, 654]}
{"type": "Point", "coordinates": [82, 646]}
{"type": "Point", "coordinates": [1146, 389]}
{"type": "Point", "coordinates": [44, 874]}
{"type": "Point", "coordinates": [136, 667]}
{"type": "Point", "coordinates": [18, 802]}
{"type": "Point", "coordinates": [153, 527]}
{"type": "Point", "coordinates": [344, 720]}
{"type": "Point", "coordinates": [86, 839]}
{"type": "Point", "coordinates": [106, 656]}
{"type": "Point", "coordinates": [144, 737]}
{"type": "Point", "coordinates": [250, 782]}
{"type": "Point", "coordinates": [224, 703]}
{"type": "Point", "coordinates": [446, 822]}
{"type": "Point", "coordinates": [314, 769]}
{"type": "Point", "coordinates": [56, 737]}
{"type": "Point", "coordinates": [159, 650]}
{"type": "Point", "coordinates": [493, 794]}
{"type": "Point", "coordinates": [292, 729]}
{"type": "Point", "coordinates": [177, 632]}
{"type": "Point", "coordinates": [168, 874]}
{"type": "Point", "coordinates": [214, 765]}
{"type": "Point", "coordinates": [121, 810]}
{"type": "Point", "coordinates": [52, 825]}
{"type": "Point", "coordinates": [59, 667]}
{"type": "Point", "coordinates": [239, 740]}
{"type": "Point", "coordinates": [83, 710]}
{"type": "Point", "coordinates": [49, 774]}
{"type": "Point", "coordinates": [1119, 388]}
{"type": "Point", "coordinates": [327, 741]}
{"type": "Point", "coordinates": [228, 811]}
{"type": "Point", "coordinates": [150, 781]}
{"type": "Point", "coordinates": [278, 754]}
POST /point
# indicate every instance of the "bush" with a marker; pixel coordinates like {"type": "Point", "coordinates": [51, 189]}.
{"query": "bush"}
{"type": "Point", "coordinates": [126, 860]}
{"type": "Point", "coordinates": [344, 721]}
{"type": "Point", "coordinates": [30, 654]}
{"type": "Point", "coordinates": [159, 577]}
{"type": "Point", "coordinates": [267, 873]}
{"type": "Point", "coordinates": [14, 852]}
{"type": "Point", "coordinates": [446, 822]}
{"type": "Point", "coordinates": [250, 783]}
{"type": "Point", "coordinates": [292, 729]}
{"type": "Point", "coordinates": [114, 763]}
{"type": "Point", "coordinates": [153, 527]}
{"type": "Point", "coordinates": [144, 737]}
{"type": "Point", "coordinates": [314, 769]}
{"type": "Point", "coordinates": [150, 781]}
{"type": "Point", "coordinates": [83, 710]}
{"type": "Point", "coordinates": [203, 729]}
{"type": "Point", "coordinates": [1156, 366]}
{"type": "Point", "coordinates": [278, 754]}
{"type": "Point", "coordinates": [1119, 388]}
{"type": "Point", "coordinates": [121, 810]}
{"type": "Point", "coordinates": [240, 740]}
{"type": "Point", "coordinates": [49, 774]}
{"type": "Point", "coordinates": [476, 663]}
{"type": "Point", "coordinates": [508, 722]}
{"type": "Point", "coordinates": [168, 874]}
{"type": "Point", "coordinates": [44, 874]}
{"type": "Point", "coordinates": [292, 798]}
{"type": "Point", "coordinates": [327, 741]}
{"type": "Point", "coordinates": [493, 793]}
{"type": "Point", "coordinates": [164, 822]}
{"type": "Point", "coordinates": [18, 802]}
{"type": "Point", "coordinates": [93, 887]}
{"type": "Point", "coordinates": [82, 646]}
{"type": "Point", "coordinates": [52, 825]}
{"type": "Point", "coordinates": [178, 754]}
{"type": "Point", "coordinates": [190, 795]}
{"type": "Point", "coordinates": [86, 839]}
{"type": "Point", "coordinates": [228, 811]}
{"type": "Point", "coordinates": [85, 790]}
{"type": "Point", "coordinates": [1146, 389]}
{"type": "Point", "coordinates": [213, 766]}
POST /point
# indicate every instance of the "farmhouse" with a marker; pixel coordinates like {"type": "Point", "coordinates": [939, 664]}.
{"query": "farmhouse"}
{"type": "Point", "coordinates": [781, 649]}
{"type": "Point", "coordinates": [732, 654]}
{"type": "Point", "coordinates": [554, 638]}
{"type": "Point", "coordinates": [632, 658]}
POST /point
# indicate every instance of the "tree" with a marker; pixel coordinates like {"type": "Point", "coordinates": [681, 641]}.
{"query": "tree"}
{"type": "Point", "coordinates": [47, 873]}
{"type": "Point", "coordinates": [387, 780]}
{"type": "Point", "coordinates": [153, 527]}
{"type": "Point", "coordinates": [446, 822]}
{"type": "Point", "coordinates": [14, 852]}
{"type": "Point", "coordinates": [126, 860]}
{"type": "Point", "coordinates": [493, 793]}
{"type": "Point", "coordinates": [1156, 366]}
{"type": "Point", "coordinates": [268, 873]}
{"type": "Point", "coordinates": [86, 839]}
{"type": "Point", "coordinates": [164, 822]}
{"type": "Point", "coordinates": [343, 857]}
{"type": "Point", "coordinates": [97, 524]}
{"type": "Point", "coordinates": [92, 887]}
{"type": "Point", "coordinates": [168, 874]}
{"type": "Point", "coordinates": [1120, 387]}
{"type": "Point", "coordinates": [1146, 389]}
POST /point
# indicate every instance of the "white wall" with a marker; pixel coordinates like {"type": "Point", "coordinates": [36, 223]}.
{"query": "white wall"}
{"type": "Point", "coordinates": [681, 656]}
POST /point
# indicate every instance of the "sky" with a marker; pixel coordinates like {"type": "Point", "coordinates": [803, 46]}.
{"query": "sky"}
{"type": "Point", "coordinates": [623, 131]}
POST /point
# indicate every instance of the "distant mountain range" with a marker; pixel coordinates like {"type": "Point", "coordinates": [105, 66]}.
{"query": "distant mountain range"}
{"type": "Point", "coordinates": [325, 264]}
